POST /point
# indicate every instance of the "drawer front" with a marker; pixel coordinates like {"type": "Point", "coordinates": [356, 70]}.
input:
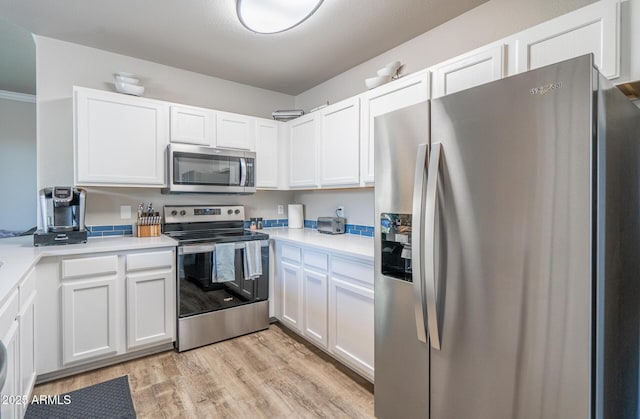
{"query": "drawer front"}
{"type": "Point", "coordinates": [27, 287]}
{"type": "Point", "coordinates": [91, 266]}
{"type": "Point", "coordinates": [151, 260]}
{"type": "Point", "coordinates": [316, 260]}
{"type": "Point", "coordinates": [290, 252]}
{"type": "Point", "coordinates": [353, 269]}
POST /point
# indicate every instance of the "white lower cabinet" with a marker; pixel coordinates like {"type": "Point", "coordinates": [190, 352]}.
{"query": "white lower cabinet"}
{"type": "Point", "coordinates": [291, 281]}
{"type": "Point", "coordinates": [88, 318]}
{"type": "Point", "coordinates": [26, 329]}
{"type": "Point", "coordinates": [328, 299]}
{"type": "Point", "coordinates": [17, 332]}
{"type": "Point", "coordinates": [150, 308]}
{"type": "Point", "coordinates": [351, 324]}
{"type": "Point", "coordinates": [89, 307]}
{"type": "Point", "coordinates": [315, 307]}
{"type": "Point", "coordinates": [9, 332]}
{"type": "Point", "coordinates": [99, 306]}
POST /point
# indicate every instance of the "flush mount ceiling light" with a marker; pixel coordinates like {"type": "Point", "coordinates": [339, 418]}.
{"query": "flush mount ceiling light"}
{"type": "Point", "coordinates": [273, 16]}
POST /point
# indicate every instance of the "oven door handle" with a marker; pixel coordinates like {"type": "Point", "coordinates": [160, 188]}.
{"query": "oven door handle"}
{"type": "Point", "coordinates": [205, 248]}
{"type": "Point", "coordinates": [189, 250]}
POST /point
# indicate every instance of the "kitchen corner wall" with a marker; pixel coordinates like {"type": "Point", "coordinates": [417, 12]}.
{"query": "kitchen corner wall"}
{"type": "Point", "coordinates": [357, 203]}
{"type": "Point", "coordinates": [103, 204]}
{"type": "Point", "coordinates": [17, 165]}
{"type": "Point", "coordinates": [61, 65]}
{"type": "Point", "coordinates": [486, 23]}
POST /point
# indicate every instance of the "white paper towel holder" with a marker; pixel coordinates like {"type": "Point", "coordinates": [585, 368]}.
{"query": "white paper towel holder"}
{"type": "Point", "coordinates": [296, 215]}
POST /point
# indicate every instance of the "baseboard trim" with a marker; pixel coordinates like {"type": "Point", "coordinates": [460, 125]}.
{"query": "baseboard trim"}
{"type": "Point", "coordinates": [55, 375]}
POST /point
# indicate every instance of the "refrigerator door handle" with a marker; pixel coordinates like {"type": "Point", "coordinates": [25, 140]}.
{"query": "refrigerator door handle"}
{"type": "Point", "coordinates": [417, 230]}
{"type": "Point", "coordinates": [430, 244]}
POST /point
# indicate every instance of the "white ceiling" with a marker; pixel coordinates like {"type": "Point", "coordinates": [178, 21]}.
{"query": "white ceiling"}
{"type": "Point", "coordinates": [205, 36]}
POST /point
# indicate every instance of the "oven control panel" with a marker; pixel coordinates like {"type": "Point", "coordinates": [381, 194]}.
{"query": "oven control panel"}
{"type": "Point", "coordinates": [202, 213]}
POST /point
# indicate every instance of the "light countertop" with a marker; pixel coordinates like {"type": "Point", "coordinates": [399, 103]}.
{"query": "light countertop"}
{"type": "Point", "coordinates": [18, 254]}
{"type": "Point", "coordinates": [347, 244]}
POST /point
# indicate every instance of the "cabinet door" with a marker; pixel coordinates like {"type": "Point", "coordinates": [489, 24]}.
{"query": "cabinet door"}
{"type": "Point", "coordinates": [315, 307]}
{"type": "Point", "coordinates": [11, 389]}
{"type": "Point", "coordinates": [303, 134]}
{"type": "Point", "coordinates": [88, 318]}
{"type": "Point", "coordinates": [266, 153]}
{"type": "Point", "coordinates": [592, 29]}
{"type": "Point", "coordinates": [235, 131]}
{"type": "Point", "coordinates": [27, 327]}
{"type": "Point", "coordinates": [119, 139]}
{"type": "Point", "coordinates": [9, 331]}
{"type": "Point", "coordinates": [340, 144]}
{"type": "Point", "coordinates": [398, 94]}
{"type": "Point", "coordinates": [192, 125]}
{"type": "Point", "coordinates": [150, 308]}
{"type": "Point", "coordinates": [469, 70]}
{"type": "Point", "coordinates": [351, 325]}
{"type": "Point", "coordinates": [291, 282]}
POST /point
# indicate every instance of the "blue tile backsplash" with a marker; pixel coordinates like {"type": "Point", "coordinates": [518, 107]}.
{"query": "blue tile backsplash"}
{"type": "Point", "coordinates": [127, 229]}
{"type": "Point", "coordinates": [359, 230]}
{"type": "Point", "coordinates": [110, 230]}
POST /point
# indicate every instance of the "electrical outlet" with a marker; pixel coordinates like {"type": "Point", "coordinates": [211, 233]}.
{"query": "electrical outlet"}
{"type": "Point", "coordinates": [280, 209]}
{"type": "Point", "coordinates": [340, 211]}
{"type": "Point", "coordinates": [125, 212]}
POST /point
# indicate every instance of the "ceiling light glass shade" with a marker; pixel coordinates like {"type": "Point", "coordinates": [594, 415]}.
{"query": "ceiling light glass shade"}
{"type": "Point", "coordinates": [273, 16]}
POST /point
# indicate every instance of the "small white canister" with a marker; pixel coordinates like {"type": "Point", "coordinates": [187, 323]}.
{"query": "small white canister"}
{"type": "Point", "coordinates": [296, 215]}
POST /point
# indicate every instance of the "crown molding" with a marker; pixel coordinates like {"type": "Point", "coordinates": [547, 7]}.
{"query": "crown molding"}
{"type": "Point", "coordinates": [20, 97]}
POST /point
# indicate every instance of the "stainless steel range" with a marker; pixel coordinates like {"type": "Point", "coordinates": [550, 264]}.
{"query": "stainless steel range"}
{"type": "Point", "coordinates": [222, 276]}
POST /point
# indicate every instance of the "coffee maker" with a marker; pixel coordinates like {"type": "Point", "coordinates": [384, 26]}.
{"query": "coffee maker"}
{"type": "Point", "coordinates": [62, 215]}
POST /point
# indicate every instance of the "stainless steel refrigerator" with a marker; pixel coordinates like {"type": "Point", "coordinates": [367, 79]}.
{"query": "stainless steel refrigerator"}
{"type": "Point", "coordinates": [507, 251]}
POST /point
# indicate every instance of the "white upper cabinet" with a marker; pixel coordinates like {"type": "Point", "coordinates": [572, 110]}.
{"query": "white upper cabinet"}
{"type": "Point", "coordinates": [191, 125]}
{"type": "Point", "coordinates": [469, 70]}
{"type": "Point", "coordinates": [120, 140]}
{"type": "Point", "coordinates": [340, 144]}
{"type": "Point", "coordinates": [235, 131]}
{"type": "Point", "coordinates": [303, 139]}
{"type": "Point", "coordinates": [398, 94]}
{"type": "Point", "coordinates": [591, 29]}
{"type": "Point", "coordinates": [267, 155]}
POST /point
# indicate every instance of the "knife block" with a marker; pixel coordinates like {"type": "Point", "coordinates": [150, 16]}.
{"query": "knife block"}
{"type": "Point", "coordinates": [148, 230]}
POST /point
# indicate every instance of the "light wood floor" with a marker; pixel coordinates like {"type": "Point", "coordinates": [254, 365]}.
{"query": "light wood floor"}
{"type": "Point", "coordinates": [269, 374]}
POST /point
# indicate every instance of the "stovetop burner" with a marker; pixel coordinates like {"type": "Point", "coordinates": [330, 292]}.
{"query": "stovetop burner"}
{"type": "Point", "coordinates": [208, 224]}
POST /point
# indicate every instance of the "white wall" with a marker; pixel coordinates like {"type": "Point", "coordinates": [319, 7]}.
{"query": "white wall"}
{"type": "Point", "coordinates": [103, 204]}
{"type": "Point", "coordinates": [17, 165]}
{"type": "Point", "coordinates": [357, 203]}
{"type": "Point", "coordinates": [61, 65]}
{"type": "Point", "coordinates": [486, 23]}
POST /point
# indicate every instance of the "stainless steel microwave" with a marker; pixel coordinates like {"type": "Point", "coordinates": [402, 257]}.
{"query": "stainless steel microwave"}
{"type": "Point", "coordinates": [195, 168]}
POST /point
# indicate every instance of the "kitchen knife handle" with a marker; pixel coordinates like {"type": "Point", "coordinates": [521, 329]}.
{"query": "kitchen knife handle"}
{"type": "Point", "coordinates": [417, 230]}
{"type": "Point", "coordinates": [430, 244]}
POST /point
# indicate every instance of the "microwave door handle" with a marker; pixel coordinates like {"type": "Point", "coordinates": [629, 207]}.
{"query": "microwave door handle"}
{"type": "Point", "coordinates": [243, 171]}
